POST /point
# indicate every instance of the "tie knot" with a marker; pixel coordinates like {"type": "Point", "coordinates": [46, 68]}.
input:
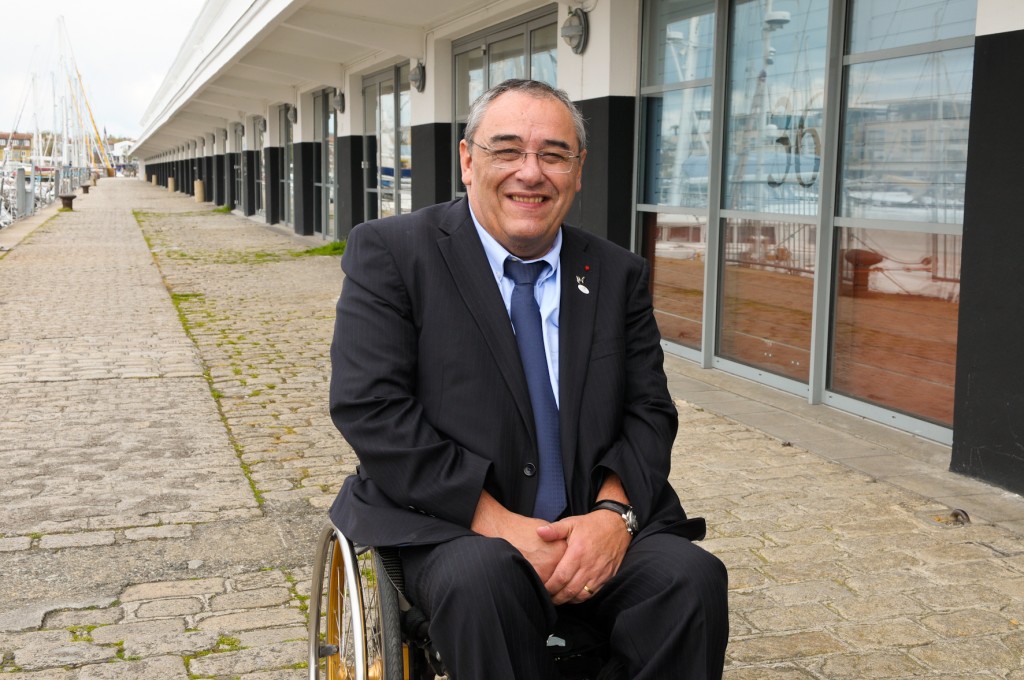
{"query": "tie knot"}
{"type": "Point", "coordinates": [524, 272]}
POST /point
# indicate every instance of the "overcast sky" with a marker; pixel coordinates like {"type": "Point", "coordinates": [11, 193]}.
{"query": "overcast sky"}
{"type": "Point", "coordinates": [123, 49]}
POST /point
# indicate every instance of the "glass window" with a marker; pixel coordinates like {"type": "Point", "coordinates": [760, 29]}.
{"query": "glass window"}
{"type": "Point", "coordinates": [321, 102]}
{"type": "Point", "coordinates": [260, 125]}
{"type": "Point", "coordinates": [469, 80]}
{"type": "Point", "coordinates": [330, 176]}
{"type": "Point", "coordinates": [905, 130]}
{"type": "Point", "coordinates": [506, 59]}
{"type": "Point", "coordinates": [371, 179]}
{"type": "Point", "coordinates": [677, 245]}
{"type": "Point", "coordinates": [680, 42]}
{"type": "Point", "coordinates": [678, 62]}
{"type": "Point", "coordinates": [883, 24]}
{"type": "Point", "coordinates": [772, 166]}
{"type": "Point", "coordinates": [544, 54]}
{"type": "Point", "coordinates": [897, 298]}
{"type": "Point", "coordinates": [900, 205]}
{"type": "Point", "coordinates": [388, 143]}
{"type": "Point", "coordinates": [776, 95]}
{"type": "Point", "coordinates": [514, 49]}
{"type": "Point", "coordinates": [678, 147]}
{"type": "Point", "coordinates": [403, 141]}
{"type": "Point", "coordinates": [288, 167]}
{"type": "Point", "coordinates": [766, 295]}
{"type": "Point", "coordinates": [388, 153]}
{"type": "Point", "coordinates": [239, 163]}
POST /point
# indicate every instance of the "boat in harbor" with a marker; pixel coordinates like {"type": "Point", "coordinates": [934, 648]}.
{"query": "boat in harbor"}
{"type": "Point", "coordinates": [36, 167]}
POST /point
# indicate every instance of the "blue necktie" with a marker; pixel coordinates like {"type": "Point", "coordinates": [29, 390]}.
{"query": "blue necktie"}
{"type": "Point", "coordinates": [526, 321]}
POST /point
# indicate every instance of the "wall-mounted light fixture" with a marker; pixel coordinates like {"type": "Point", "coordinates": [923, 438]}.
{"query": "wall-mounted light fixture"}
{"type": "Point", "coordinates": [293, 114]}
{"type": "Point", "coordinates": [338, 102]}
{"type": "Point", "coordinates": [261, 124]}
{"type": "Point", "coordinates": [576, 30]}
{"type": "Point", "coordinates": [418, 76]}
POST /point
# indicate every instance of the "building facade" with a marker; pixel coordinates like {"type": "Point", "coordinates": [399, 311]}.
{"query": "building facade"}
{"type": "Point", "coordinates": [16, 147]}
{"type": "Point", "coordinates": [818, 184]}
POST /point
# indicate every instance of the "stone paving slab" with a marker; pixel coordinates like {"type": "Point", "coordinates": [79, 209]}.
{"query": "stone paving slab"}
{"type": "Point", "coordinates": [167, 459]}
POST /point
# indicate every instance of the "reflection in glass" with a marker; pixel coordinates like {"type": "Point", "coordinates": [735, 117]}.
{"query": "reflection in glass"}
{"type": "Point", "coordinates": [469, 84]}
{"type": "Point", "coordinates": [261, 165]}
{"type": "Point", "coordinates": [677, 244]}
{"type": "Point", "coordinates": [331, 178]}
{"type": "Point", "coordinates": [403, 140]}
{"type": "Point", "coordinates": [469, 80]}
{"type": "Point", "coordinates": [680, 39]}
{"type": "Point", "coordinates": [544, 54]}
{"type": "Point", "coordinates": [883, 24]}
{"type": "Point", "coordinates": [895, 321]}
{"type": "Point", "coordinates": [288, 167]}
{"type": "Point", "coordinates": [678, 147]}
{"type": "Point", "coordinates": [904, 153]}
{"type": "Point", "coordinates": [766, 291]}
{"type": "Point", "coordinates": [386, 149]}
{"type": "Point", "coordinates": [507, 59]}
{"type": "Point", "coordinates": [371, 200]}
{"type": "Point", "coordinates": [238, 164]}
{"type": "Point", "coordinates": [776, 100]}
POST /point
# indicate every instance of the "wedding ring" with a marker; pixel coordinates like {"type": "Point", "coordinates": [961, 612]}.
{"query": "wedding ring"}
{"type": "Point", "coordinates": [589, 591]}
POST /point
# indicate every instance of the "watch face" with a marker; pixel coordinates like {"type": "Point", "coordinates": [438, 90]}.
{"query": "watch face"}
{"type": "Point", "coordinates": [631, 522]}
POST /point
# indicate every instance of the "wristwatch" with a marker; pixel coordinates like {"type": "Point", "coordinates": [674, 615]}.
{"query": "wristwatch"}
{"type": "Point", "coordinates": [622, 510]}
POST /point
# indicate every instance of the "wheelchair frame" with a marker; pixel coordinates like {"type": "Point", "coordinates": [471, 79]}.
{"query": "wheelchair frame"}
{"type": "Point", "coordinates": [361, 626]}
{"type": "Point", "coordinates": [355, 616]}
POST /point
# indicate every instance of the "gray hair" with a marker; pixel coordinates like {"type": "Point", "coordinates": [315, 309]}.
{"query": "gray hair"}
{"type": "Point", "coordinates": [534, 88]}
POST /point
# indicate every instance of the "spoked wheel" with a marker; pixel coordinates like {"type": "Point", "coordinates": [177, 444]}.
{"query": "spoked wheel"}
{"type": "Point", "coordinates": [354, 630]}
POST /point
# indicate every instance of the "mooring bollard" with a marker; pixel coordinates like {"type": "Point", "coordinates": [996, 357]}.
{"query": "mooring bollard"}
{"type": "Point", "coordinates": [85, 188]}
{"type": "Point", "coordinates": [66, 200]}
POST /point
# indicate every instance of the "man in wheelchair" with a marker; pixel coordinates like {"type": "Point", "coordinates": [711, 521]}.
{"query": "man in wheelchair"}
{"type": "Point", "coordinates": [499, 375]}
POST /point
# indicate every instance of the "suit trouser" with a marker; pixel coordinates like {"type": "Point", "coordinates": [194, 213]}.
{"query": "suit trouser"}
{"type": "Point", "coordinates": [665, 612]}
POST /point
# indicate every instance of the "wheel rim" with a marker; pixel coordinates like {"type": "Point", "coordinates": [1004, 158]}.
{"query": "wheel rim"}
{"type": "Point", "coordinates": [360, 650]}
{"type": "Point", "coordinates": [375, 663]}
{"type": "Point", "coordinates": [342, 665]}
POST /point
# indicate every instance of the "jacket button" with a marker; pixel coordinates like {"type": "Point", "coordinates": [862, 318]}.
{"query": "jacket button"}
{"type": "Point", "coordinates": [530, 470]}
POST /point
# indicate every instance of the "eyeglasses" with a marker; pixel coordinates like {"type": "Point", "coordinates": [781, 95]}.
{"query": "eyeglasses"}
{"type": "Point", "coordinates": [509, 158]}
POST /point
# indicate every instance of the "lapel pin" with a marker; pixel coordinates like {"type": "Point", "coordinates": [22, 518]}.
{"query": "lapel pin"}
{"type": "Point", "coordinates": [581, 286]}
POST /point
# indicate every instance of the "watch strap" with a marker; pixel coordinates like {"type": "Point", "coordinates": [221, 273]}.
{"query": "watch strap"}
{"type": "Point", "coordinates": [618, 508]}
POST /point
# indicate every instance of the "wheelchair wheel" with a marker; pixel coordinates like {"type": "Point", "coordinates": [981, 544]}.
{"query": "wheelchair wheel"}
{"type": "Point", "coordinates": [354, 630]}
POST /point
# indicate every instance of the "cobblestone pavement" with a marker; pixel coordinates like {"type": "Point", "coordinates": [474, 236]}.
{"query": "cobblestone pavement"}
{"type": "Point", "coordinates": [167, 459]}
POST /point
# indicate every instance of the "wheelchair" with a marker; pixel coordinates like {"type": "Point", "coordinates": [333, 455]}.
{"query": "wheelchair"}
{"type": "Point", "coordinates": [362, 627]}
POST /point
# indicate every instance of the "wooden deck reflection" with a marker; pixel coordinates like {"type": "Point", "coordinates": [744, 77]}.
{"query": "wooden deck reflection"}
{"type": "Point", "coordinates": [894, 350]}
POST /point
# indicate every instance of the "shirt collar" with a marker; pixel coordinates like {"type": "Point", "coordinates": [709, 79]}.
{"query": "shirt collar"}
{"type": "Point", "coordinates": [497, 254]}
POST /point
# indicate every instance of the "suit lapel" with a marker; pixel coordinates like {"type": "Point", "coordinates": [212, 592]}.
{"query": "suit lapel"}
{"type": "Point", "coordinates": [581, 278]}
{"type": "Point", "coordinates": [464, 255]}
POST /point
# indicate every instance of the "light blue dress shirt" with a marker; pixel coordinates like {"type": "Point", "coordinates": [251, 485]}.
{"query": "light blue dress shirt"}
{"type": "Point", "coordinates": [547, 290]}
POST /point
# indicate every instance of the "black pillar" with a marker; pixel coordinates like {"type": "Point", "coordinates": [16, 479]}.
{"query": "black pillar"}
{"type": "Point", "coordinates": [988, 421]}
{"type": "Point", "coordinates": [349, 168]}
{"type": "Point", "coordinates": [218, 179]}
{"type": "Point", "coordinates": [604, 206]}
{"type": "Point", "coordinates": [431, 164]}
{"type": "Point", "coordinates": [272, 182]}
{"type": "Point", "coordinates": [209, 178]}
{"type": "Point", "coordinates": [307, 170]}
{"type": "Point", "coordinates": [232, 180]}
{"type": "Point", "coordinates": [251, 161]}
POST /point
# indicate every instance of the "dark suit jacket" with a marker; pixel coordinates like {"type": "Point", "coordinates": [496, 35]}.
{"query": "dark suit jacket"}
{"type": "Point", "coordinates": [428, 389]}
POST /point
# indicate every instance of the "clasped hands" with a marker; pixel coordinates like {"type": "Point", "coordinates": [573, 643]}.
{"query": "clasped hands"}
{"type": "Point", "coordinates": [593, 546]}
{"type": "Point", "coordinates": [582, 550]}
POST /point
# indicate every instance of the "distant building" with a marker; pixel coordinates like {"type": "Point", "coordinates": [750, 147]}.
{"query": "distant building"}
{"type": "Point", "coordinates": [120, 152]}
{"type": "Point", "coordinates": [827, 191]}
{"type": "Point", "coordinates": [16, 147]}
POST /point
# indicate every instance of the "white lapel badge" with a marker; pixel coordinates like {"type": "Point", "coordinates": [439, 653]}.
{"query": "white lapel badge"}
{"type": "Point", "coordinates": [581, 286]}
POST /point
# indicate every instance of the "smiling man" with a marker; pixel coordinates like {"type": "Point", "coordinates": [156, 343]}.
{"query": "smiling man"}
{"type": "Point", "coordinates": [499, 375]}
